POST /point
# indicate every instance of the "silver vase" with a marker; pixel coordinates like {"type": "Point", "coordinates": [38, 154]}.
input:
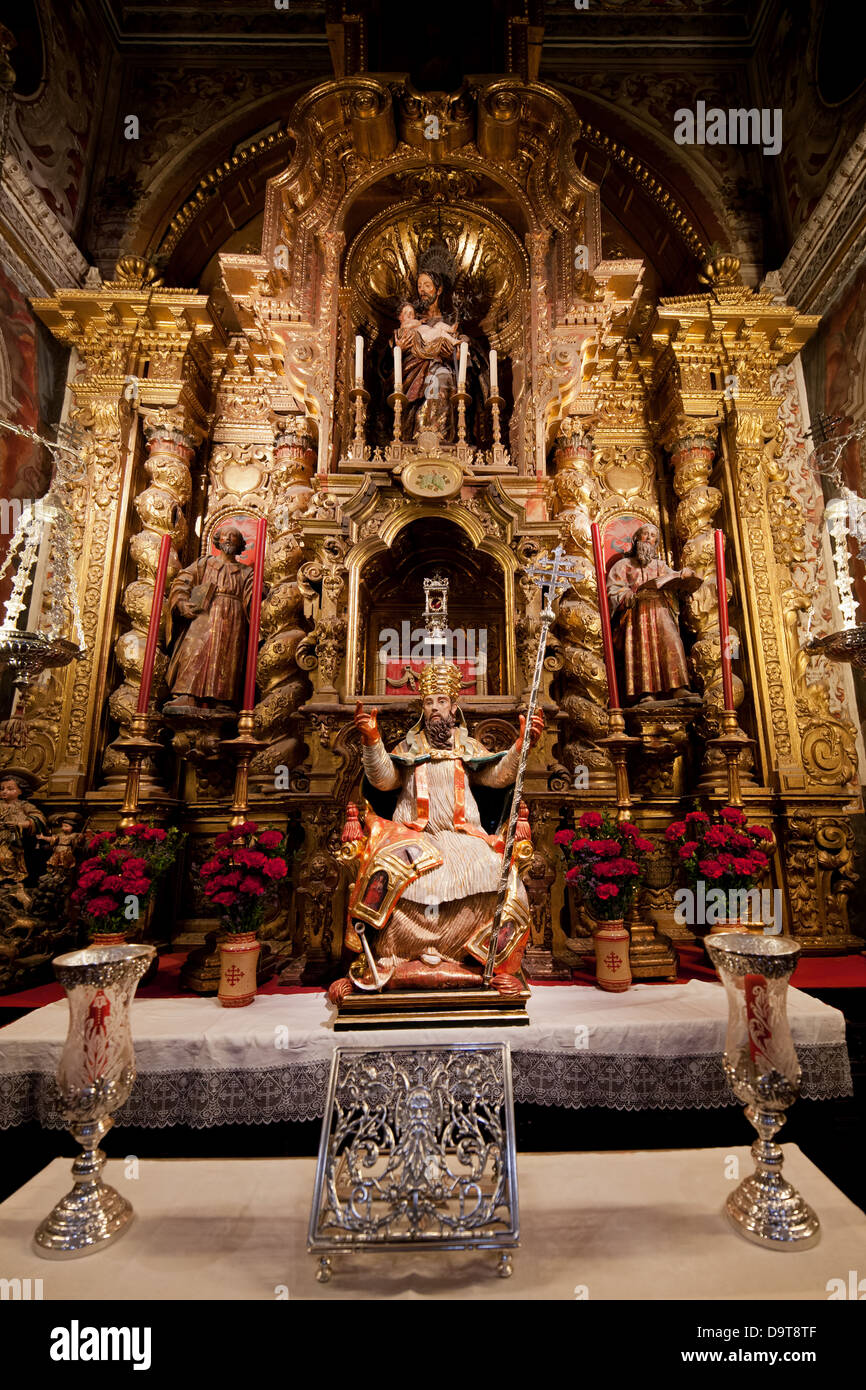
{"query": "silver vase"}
{"type": "Point", "coordinates": [762, 1068]}
{"type": "Point", "coordinates": [94, 1078]}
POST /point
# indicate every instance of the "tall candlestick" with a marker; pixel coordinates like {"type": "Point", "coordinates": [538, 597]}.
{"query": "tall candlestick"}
{"type": "Point", "coordinates": [724, 633]}
{"type": "Point", "coordinates": [398, 368]}
{"type": "Point", "coordinates": [494, 373]}
{"type": "Point", "coordinates": [604, 610]}
{"type": "Point", "coordinates": [255, 615]}
{"type": "Point", "coordinates": [153, 626]}
{"type": "Point", "coordinates": [359, 360]}
{"type": "Point", "coordinates": [461, 365]}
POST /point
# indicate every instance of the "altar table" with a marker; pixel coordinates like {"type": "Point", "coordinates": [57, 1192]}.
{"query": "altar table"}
{"type": "Point", "coordinates": [592, 1225]}
{"type": "Point", "coordinates": [656, 1046]}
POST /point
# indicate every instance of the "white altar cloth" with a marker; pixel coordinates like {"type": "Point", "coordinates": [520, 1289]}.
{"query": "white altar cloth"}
{"type": "Point", "coordinates": [592, 1225]}
{"type": "Point", "coordinates": [656, 1046]}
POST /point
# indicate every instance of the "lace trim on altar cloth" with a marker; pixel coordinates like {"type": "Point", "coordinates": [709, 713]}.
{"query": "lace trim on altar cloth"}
{"type": "Point", "coordinates": [274, 1095]}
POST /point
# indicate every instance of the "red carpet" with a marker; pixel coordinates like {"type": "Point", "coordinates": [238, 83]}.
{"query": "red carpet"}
{"type": "Point", "coordinates": [813, 972]}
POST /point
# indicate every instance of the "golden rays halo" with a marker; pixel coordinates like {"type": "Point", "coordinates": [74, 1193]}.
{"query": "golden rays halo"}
{"type": "Point", "coordinates": [492, 269]}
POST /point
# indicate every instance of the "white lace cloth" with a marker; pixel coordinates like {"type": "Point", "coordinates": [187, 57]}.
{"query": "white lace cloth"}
{"type": "Point", "coordinates": [657, 1046]}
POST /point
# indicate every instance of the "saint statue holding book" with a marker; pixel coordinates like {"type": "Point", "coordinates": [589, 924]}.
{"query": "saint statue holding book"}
{"type": "Point", "coordinates": [642, 591]}
{"type": "Point", "coordinates": [209, 602]}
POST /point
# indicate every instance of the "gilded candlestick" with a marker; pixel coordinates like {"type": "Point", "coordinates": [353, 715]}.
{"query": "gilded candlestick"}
{"type": "Point", "coordinates": [461, 397]}
{"type": "Point", "coordinates": [731, 741]}
{"type": "Point", "coordinates": [138, 746]}
{"type": "Point", "coordinates": [397, 401]}
{"type": "Point", "coordinates": [499, 454]}
{"type": "Point", "coordinates": [359, 398]}
{"type": "Point", "coordinates": [244, 747]}
{"type": "Point", "coordinates": [617, 741]}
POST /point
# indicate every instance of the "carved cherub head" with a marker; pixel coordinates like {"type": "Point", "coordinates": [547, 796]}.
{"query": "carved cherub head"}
{"type": "Point", "coordinates": [14, 786]}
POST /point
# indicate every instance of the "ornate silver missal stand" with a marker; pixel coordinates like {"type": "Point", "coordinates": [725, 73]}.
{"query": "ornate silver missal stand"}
{"type": "Point", "coordinates": [417, 1152]}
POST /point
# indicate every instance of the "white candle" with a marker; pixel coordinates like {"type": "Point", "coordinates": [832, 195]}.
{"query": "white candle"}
{"type": "Point", "coordinates": [398, 368]}
{"type": "Point", "coordinates": [359, 360]}
{"type": "Point", "coordinates": [461, 367]}
{"type": "Point", "coordinates": [494, 373]}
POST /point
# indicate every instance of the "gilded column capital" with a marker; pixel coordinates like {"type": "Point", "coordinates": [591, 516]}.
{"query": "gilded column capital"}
{"type": "Point", "coordinates": [171, 427]}
{"type": "Point", "coordinates": [695, 433]}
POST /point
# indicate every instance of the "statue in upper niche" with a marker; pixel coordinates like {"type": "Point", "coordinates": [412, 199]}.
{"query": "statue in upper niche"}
{"type": "Point", "coordinates": [430, 340]}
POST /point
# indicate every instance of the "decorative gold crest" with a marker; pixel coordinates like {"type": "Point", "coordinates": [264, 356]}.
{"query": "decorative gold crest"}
{"type": "Point", "coordinates": [432, 479]}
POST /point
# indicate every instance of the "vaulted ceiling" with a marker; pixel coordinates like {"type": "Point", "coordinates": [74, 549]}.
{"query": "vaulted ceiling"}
{"type": "Point", "coordinates": [212, 81]}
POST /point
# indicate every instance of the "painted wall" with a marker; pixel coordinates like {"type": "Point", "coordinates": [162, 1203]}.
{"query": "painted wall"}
{"type": "Point", "coordinates": [53, 128]}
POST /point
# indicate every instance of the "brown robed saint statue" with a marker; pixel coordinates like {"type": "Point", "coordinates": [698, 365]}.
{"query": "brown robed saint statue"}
{"type": "Point", "coordinates": [212, 596]}
{"type": "Point", "coordinates": [429, 874]}
{"type": "Point", "coordinates": [642, 592]}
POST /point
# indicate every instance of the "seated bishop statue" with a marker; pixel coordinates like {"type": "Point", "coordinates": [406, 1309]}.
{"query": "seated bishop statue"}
{"type": "Point", "coordinates": [431, 864]}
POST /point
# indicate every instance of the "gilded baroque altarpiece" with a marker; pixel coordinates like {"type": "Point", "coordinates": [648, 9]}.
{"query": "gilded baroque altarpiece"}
{"type": "Point", "coordinates": [613, 405]}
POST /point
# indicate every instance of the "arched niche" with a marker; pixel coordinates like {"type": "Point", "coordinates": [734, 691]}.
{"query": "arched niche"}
{"type": "Point", "coordinates": [386, 593]}
{"type": "Point", "coordinates": [491, 289]}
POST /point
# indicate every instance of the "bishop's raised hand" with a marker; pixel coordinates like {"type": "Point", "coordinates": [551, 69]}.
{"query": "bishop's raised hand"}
{"type": "Point", "coordinates": [367, 722]}
{"type": "Point", "coordinates": [536, 728]}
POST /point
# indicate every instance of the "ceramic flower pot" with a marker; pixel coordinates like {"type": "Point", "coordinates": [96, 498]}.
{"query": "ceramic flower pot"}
{"type": "Point", "coordinates": [108, 938]}
{"type": "Point", "coordinates": [239, 954]}
{"type": "Point", "coordinates": [736, 924]}
{"type": "Point", "coordinates": [612, 969]}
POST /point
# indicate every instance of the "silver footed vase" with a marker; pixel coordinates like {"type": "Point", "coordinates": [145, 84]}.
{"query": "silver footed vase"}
{"type": "Point", "coordinates": [761, 1065]}
{"type": "Point", "coordinates": [94, 1078]}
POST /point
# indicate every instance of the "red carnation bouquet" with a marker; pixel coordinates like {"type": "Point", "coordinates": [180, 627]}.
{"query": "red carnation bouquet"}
{"type": "Point", "coordinates": [114, 883]}
{"type": "Point", "coordinates": [723, 849]}
{"type": "Point", "coordinates": [243, 873]}
{"type": "Point", "coordinates": [606, 859]}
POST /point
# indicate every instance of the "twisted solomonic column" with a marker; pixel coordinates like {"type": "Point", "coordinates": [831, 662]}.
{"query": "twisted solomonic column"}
{"type": "Point", "coordinates": [574, 491]}
{"type": "Point", "coordinates": [692, 445]}
{"type": "Point", "coordinates": [284, 685]}
{"type": "Point", "coordinates": [160, 509]}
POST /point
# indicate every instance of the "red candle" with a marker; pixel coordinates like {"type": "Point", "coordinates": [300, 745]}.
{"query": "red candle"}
{"type": "Point", "coordinates": [604, 610]}
{"type": "Point", "coordinates": [153, 626]}
{"type": "Point", "coordinates": [724, 633]}
{"type": "Point", "coordinates": [255, 616]}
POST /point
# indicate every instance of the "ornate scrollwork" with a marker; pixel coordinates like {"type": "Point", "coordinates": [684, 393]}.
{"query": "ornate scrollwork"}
{"type": "Point", "coordinates": [819, 877]}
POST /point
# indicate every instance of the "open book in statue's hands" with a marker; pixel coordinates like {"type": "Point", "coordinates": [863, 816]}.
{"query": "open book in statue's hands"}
{"type": "Point", "coordinates": [684, 583]}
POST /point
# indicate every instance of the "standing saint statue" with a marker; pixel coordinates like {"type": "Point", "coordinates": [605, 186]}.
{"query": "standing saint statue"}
{"type": "Point", "coordinates": [429, 338]}
{"type": "Point", "coordinates": [213, 596]}
{"type": "Point", "coordinates": [641, 590]}
{"type": "Point", "coordinates": [430, 874]}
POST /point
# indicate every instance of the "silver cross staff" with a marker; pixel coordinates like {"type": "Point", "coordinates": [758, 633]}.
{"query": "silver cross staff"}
{"type": "Point", "coordinates": [555, 576]}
